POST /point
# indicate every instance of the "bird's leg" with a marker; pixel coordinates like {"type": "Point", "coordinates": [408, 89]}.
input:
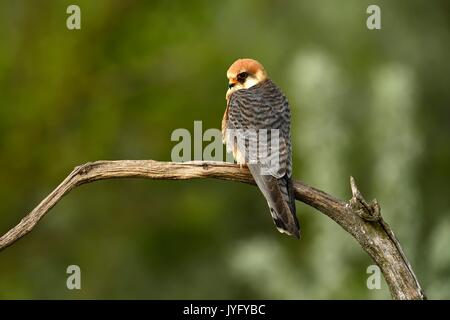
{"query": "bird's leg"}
{"type": "Point", "coordinates": [242, 165]}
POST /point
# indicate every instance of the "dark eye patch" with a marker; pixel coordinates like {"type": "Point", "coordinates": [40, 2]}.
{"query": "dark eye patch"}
{"type": "Point", "coordinates": [242, 76]}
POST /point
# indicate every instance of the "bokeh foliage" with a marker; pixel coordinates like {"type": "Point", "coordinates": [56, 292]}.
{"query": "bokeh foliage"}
{"type": "Point", "coordinates": [372, 104]}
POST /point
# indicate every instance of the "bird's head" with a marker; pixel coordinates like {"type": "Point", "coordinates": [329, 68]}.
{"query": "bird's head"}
{"type": "Point", "coordinates": [243, 74]}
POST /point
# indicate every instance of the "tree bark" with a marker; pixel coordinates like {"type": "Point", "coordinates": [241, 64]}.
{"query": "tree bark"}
{"type": "Point", "coordinates": [358, 217]}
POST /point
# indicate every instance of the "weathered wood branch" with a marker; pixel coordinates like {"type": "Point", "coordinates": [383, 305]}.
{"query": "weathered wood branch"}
{"type": "Point", "coordinates": [358, 217]}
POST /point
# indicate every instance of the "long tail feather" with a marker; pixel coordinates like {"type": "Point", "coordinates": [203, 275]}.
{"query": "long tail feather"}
{"type": "Point", "coordinates": [279, 194]}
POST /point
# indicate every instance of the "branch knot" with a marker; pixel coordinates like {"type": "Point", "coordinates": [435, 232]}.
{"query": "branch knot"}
{"type": "Point", "coordinates": [367, 211]}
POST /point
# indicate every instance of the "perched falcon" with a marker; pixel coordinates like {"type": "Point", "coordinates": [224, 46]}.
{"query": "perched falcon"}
{"type": "Point", "coordinates": [256, 104]}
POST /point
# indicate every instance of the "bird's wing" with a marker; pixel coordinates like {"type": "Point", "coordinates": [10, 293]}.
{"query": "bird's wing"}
{"type": "Point", "coordinates": [265, 107]}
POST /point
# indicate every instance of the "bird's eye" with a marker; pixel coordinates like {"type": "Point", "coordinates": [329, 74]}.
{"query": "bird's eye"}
{"type": "Point", "coordinates": [242, 76]}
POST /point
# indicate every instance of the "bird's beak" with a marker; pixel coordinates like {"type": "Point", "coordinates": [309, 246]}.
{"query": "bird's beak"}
{"type": "Point", "coordinates": [231, 84]}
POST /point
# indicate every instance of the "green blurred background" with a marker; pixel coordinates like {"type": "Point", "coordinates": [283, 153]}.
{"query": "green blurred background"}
{"type": "Point", "coordinates": [372, 104]}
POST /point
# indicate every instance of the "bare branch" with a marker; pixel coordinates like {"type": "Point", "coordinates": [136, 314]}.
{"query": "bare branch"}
{"type": "Point", "coordinates": [358, 217]}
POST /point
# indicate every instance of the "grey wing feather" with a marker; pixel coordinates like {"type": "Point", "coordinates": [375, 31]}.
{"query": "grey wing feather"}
{"type": "Point", "coordinates": [265, 107]}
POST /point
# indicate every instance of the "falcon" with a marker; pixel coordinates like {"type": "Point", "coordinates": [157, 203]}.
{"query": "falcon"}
{"type": "Point", "coordinates": [257, 118]}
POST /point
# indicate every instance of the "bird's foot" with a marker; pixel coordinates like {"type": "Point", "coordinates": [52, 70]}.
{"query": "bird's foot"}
{"type": "Point", "coordinates": [242, 165]}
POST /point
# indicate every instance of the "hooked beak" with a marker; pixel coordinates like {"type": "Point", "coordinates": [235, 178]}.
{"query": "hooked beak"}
{"type": "Point", "coordinates": [231, 84]}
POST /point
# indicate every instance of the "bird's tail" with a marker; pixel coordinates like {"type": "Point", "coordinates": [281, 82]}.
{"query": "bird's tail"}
{"type": "Point", "coordinates": [279, 193]}
{"type": "Point", "coordinates": [291, 226]}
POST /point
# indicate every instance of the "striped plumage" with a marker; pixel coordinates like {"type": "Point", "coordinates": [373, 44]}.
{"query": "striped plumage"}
{"type": "Point", "coordinates": [262, 106]}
